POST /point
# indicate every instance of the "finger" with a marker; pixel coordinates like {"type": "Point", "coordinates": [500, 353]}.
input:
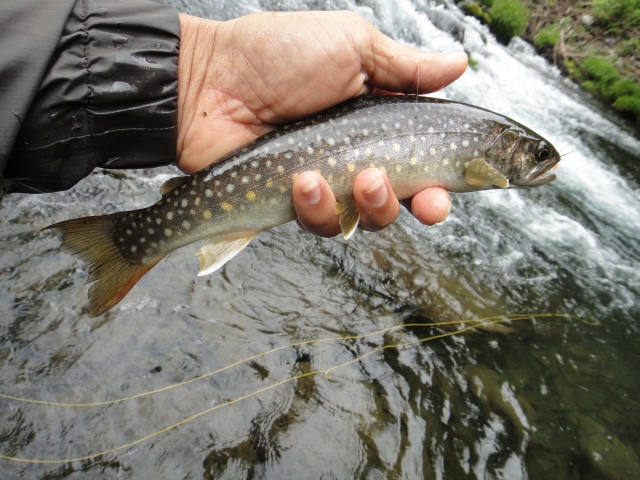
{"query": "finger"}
{"type": "Point", "coordinates": [400, 68]}
{"type": "Point", "coordinates": [431, 205]}
{"type": "Point", "coordinates": [315, 205]}
{"type": "Point", "coordinates": [377, 204]}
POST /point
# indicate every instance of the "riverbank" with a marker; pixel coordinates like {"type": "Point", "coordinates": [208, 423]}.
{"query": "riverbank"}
{"type": "Point", "coordinates": [596, 43]}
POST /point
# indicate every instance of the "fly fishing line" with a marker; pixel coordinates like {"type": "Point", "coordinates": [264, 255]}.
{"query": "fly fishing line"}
{"type": "Point", "coordinates": [326, 372]}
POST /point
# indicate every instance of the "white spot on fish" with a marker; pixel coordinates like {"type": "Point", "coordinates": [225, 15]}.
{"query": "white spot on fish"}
{"type": "Point", "coordinates": [245, 179]}
{"type": "Point", "coordinates": [151, 231]}
{"type": "Point", "coordinates": [280, 169]}
{"type": "Point", "coordinates": [445, 162]}
{"type": "Point", "coordinates": [309, 150]}
{"type": "Point", "coordinates": [465, 143]}
{"type": "Point", "coordinates": [396, 147]}
{"type": "Point", "coordinates": [142, 240]}
{"type": "Point", "coordinates": [184, 202]}
{"type": "Point", "coordinates": [291, 141]}
{"type": "Point", "coordinates": [134, 249]}
{"type": "Point", "coordinates": [331, 141]}
{"type": "Point", "coordinates": [475, 153]}
{"type": "Point", "coordinates": [365, 132]}
{"type": "Point", "coordinates": [288, 156]}
{"type": "Point", "coordinates": [398, 168]}
{"type": "Point", "coordinates": [167, 232]}
{"type": "Point", "coordinates": [332, 161]}
{"type": "Point", "coordinates": [186, 225]}
{"type": "Point", "coordinates": [453, 146]}
{"type": "Point", "coordinates": [413, 161]}
{"type": "Point", "coordinates": [430, 130]}
{"type": "Point", "coordinates": [159, 221]}
{"type": "Point", "coordinates": [432, 151]}
{"type": "Point", "coordinates": [230, 187]}
{"type": "Point", "coordinates": [169, 215]}
{"type": "Point", "coordinates": [268, 163]}
{"type": "Point", "coordinates": [255, 164]}
{"type": "Point", "coordinates": [234, 174]}
{"type": "Point", "coordinates": [129, 232]}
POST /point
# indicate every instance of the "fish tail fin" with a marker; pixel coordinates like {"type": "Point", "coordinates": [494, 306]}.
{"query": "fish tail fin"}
{"type": "Point", "coordinates": [91, 240]}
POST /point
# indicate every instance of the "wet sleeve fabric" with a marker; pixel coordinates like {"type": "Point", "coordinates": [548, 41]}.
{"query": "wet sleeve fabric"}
{"type": "Point", "coordinates": [105, 97]}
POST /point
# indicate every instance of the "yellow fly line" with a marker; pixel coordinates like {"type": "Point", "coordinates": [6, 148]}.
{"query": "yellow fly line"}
{"type": "Point", "coordinates": [327, 373]}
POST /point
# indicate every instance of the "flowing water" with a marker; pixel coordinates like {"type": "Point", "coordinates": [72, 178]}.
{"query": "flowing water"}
{"type": "Point", "coordinates": [544, 398]}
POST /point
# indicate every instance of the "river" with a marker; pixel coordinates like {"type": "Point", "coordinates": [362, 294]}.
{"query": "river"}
{"type": "Point", "coordinates": [549, 397]}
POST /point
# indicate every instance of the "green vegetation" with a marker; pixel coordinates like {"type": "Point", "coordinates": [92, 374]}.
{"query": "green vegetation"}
{"type": "Point", "coordinates": [605, 81]}
{"type": "Point", "coordinates": [476, 10]}
{"type": "Point", "coordinates": [596, 43]}
{"type": "Point", "coordinates": [509, 18]}
{"type": "Point", "coordinates": [616, 15]}
{"type": "Point", "coordinates": [547, 37]}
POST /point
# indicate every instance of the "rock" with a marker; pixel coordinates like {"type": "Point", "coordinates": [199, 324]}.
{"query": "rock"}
{"type": "Point", "coordinates": [587, 20]}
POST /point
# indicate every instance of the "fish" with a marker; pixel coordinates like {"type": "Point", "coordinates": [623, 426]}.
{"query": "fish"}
{"type": "Point", "coordinates": [417, 141]}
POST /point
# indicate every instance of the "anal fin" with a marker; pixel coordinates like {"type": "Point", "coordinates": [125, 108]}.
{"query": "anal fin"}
{"type": "Point", "coordinates": [349, 218]}
{"type": "Point", "coordinates": [220, 249]}
{"type": "Point", "coordinates": [478, 173]}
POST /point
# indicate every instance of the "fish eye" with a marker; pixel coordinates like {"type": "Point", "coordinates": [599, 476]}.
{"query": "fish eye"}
{"type": "Point", "coordinates": [543, 152]}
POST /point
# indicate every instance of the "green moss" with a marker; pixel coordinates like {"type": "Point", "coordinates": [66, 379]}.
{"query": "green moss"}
{"type": "Point", "coordinates": [628, 104]}
{"type": "Point", "coordinates": [617, 14]}
{"type": "Point", "coordinates": [601, 70]}
{"type": "Point", "coordinates": [476, 10]}
{"type": "Point", "coordinates": [547, 37]}
{"type": "Point", "coordinates": [509, 18]}
{"type": "Point", "coordinates": [623, 87]}
{"type": "Point", "coordinates": [473, 64]}
{"type": "Point", "coordinates": [573, 70]}
{"type": "Point", "coordinates": [606, 81]}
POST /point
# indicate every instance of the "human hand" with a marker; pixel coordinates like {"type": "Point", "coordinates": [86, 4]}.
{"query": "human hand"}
{"type": "Point", "coordinates": [262, 70]}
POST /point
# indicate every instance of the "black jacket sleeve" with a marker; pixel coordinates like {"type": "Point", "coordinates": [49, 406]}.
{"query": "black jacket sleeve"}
{"type": "Point", "coordinates": [104, 92]}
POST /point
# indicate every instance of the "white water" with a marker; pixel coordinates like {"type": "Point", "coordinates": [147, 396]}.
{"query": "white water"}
{"type": "Point", "coordinates": [511, 402]}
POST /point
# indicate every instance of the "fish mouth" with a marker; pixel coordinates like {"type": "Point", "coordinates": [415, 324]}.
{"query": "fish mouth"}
{"type": "Point", "coordinates": [540, 175]}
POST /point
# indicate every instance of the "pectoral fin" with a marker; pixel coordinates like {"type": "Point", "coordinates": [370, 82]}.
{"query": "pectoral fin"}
{"type": "Point", "coordinates": [219, 250]}
{"type": "Point", "coordinates": [171, 184]}
{"type": "Point", "coordinates": [479, 173]}
{"type": "Point", "coordinates": [349, 218]}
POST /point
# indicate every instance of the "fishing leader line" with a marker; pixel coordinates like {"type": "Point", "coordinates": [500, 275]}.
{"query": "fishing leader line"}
{"type": "Point", "coordinates": [326, 372]}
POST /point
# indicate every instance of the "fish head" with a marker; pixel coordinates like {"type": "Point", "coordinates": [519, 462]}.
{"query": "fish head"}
{"type": "Point", "coordinates": [524, 157]}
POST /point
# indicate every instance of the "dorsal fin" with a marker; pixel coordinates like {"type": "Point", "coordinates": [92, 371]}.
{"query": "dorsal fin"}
{"type": "Point", "coordinates": [478, 173]}
{"type": "Point", "coordinates": [172, 184]}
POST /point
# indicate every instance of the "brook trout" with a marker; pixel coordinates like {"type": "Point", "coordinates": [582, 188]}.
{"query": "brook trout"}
{"type": "Point", "coordinates": [418, 142]}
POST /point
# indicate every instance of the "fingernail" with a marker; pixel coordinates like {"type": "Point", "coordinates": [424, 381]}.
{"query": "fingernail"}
{"type": "Point", "coordinates": [377, 193]}
{"type": "Point", "coordinates": [457, 54]}
{"type": "Point", "coordinates": [446, 214]}
{"type": "Point", "coordinates": [311, 193]}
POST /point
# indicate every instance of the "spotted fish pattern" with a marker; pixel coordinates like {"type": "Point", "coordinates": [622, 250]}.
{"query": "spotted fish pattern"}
{"type": "Point", "coordinates": [417, 142]}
